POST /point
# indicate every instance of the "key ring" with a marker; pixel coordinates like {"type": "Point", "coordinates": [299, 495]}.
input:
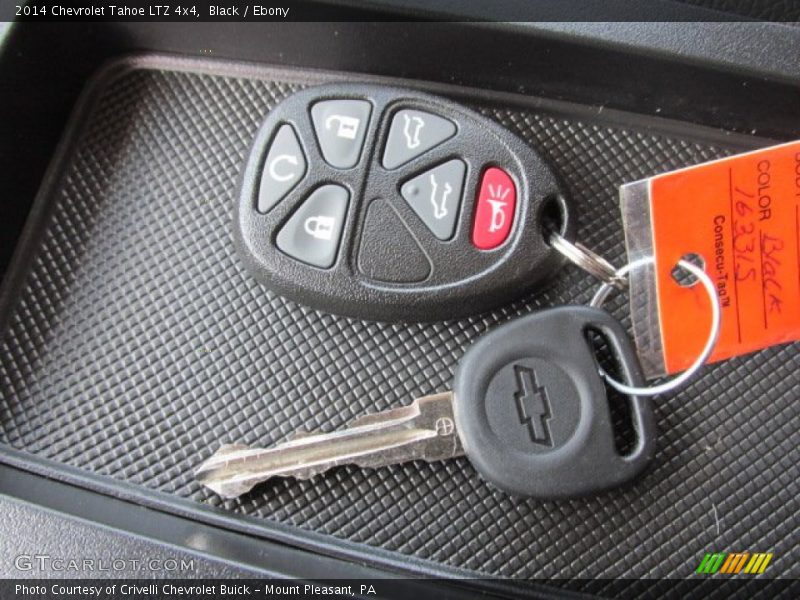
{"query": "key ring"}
{"type": "Point", "coordinates": [587, 260]}
{"type": "Point", "coordinates": [713, 335]}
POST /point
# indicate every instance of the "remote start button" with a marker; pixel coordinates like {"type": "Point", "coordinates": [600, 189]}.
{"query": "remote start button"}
{"type": "Point", "coordinates": [494, 211]}
{"type": "Point", "coordinates": [313, 232]}
{"type": "Point", "coordinates": [284, 166]}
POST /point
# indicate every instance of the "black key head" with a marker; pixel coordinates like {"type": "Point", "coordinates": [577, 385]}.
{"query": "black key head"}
{"type": "Point", "coordinates": [532, 409]}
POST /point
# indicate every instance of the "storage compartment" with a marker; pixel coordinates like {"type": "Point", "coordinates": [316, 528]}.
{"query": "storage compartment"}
{"type": "Point", "coordinates": [134, 342]}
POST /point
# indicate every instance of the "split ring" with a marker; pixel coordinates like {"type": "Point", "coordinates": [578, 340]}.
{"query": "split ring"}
{"type": "Point", "coordinates": [713, 334]}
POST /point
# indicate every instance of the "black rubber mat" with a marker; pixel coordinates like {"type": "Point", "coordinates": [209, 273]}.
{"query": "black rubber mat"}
{"type": "Point", "coordinates": [137, 344]}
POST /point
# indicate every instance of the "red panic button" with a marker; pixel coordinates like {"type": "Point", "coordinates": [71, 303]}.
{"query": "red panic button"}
{"type": "Point", "coordinates": [494, 210]}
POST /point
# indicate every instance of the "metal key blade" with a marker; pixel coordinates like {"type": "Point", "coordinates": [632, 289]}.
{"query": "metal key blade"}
{"type": "Point", "coordinates": [423, 430]}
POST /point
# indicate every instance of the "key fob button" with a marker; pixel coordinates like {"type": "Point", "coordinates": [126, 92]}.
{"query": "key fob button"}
{"type": "Point", "coordinates": [494, 210]}
{"type": "Point", "coordinates": [435, 196]}
{"type": "Point", "coordinates": [402, 261]}
{"type": "Point", "coordinates": [284, 167]}
{"type": "Point", "coordinates": [312, 234]}
{"type": "Point", "coordinates": [341, 126]}
{"type": "Point", "coordinates": [412, 133]}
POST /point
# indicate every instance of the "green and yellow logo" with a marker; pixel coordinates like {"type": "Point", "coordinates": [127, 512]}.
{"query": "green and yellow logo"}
{"type": "Point", "coordinates": [733, 563]}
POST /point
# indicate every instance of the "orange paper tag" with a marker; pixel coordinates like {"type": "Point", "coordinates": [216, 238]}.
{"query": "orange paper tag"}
{"type": "Point", "coordinates": [742, 215]}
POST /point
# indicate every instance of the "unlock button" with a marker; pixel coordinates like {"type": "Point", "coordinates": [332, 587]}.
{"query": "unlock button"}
{"type": "Point", "coordinates": [313, 233]}
{"type": "Point", "coordinates": [341, 126]}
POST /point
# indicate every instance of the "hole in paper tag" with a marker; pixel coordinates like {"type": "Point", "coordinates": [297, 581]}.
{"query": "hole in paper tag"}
{"type": "Point", "coordinates": [682, 276]}
{"type": "Point", "coordinates": [742, 216]}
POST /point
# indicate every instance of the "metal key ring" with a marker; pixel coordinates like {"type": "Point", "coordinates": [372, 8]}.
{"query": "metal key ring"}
{"type": "Point", "coordinates": [713, 335]}
{"type": "Point", "coordinates": [587, 260]}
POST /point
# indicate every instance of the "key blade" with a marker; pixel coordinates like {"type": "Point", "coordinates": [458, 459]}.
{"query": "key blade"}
{"type": "Point", "coordinates": [434, 415]}
{"type": "Point", "coordinates": [424, 430]}
{"type": "Point", "coordinates": [233, 472]}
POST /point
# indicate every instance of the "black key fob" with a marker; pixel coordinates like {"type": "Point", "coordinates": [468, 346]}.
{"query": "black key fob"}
{"type": "Point", "coordinates": [532, 410]}
{"type": "Point", "coordinates": [388, 204]}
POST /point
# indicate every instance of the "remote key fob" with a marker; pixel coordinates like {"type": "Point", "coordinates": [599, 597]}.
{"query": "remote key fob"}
{"type": "Point", "coordinates": [532, 412]}
{"type": "Point", "coordinates": [389, 204]}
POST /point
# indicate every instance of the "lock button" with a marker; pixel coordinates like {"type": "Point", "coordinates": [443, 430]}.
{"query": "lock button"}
{"type": "Point", "coordinates": [341, 126]}
{"type": "Point", "coordinates": [312, 234]}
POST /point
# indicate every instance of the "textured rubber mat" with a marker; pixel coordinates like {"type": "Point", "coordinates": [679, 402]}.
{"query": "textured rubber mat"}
{"type": "Point", "coordinates": [137, 344]}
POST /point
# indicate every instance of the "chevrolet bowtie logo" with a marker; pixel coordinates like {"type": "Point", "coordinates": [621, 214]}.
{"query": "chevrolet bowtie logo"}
{"type": "Point", "coordinates": [533, 405]}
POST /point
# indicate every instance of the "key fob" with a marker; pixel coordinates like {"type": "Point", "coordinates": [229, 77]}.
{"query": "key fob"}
{"type": "Point", "coordinates": [532, 409]}
{"type": "Point", "coordinates": [389, 204]}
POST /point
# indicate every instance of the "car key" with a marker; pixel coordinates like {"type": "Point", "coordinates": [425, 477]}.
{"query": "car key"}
{"type": "Point", "coordinates": [423, 430]}
{"type": "Point", "coordinates": [389, 204]}
{"type": "Point", "coordinates": [528, 408]}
